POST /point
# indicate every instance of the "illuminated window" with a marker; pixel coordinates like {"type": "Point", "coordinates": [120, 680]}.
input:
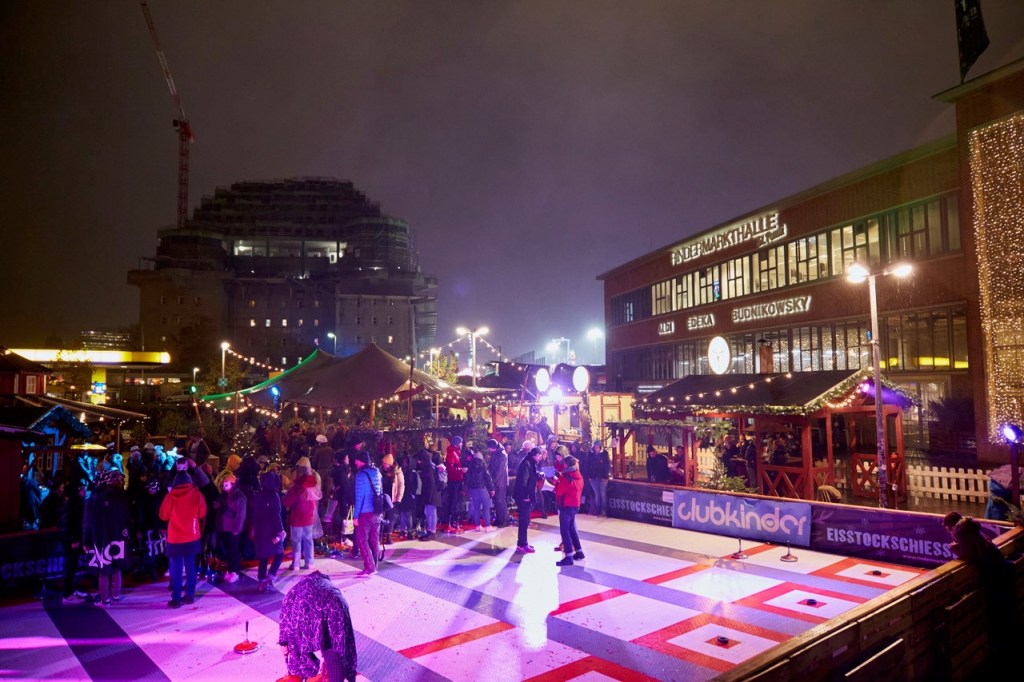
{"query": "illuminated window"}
{"type": "Point", "coordinates": [299, 323]}
{"type": "Point", "coordinates": [268, 321]}
{"type": "Point", "coordinates": [391, 339]}
{"type": "Point", "coordinates": [316, 322]}
{"type": "Point", "coordinates": [252, 322]}
{"type": "Point", "coordinates": [284, 322]}
{"type": "Point", "coordinates": [284, 361]}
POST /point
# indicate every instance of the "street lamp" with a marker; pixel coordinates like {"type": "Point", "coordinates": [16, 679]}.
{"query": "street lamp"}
{"type": "Point", "coordinates": [595, 335]}
{"type": "Point", "coordinates": [433, 353]}
{"type": "Point", "coordinates": [195, 371]}
{"type": "Point", "coordinates": [223, 362]}
{"type": "Point", "coordinates": [857, 273]}
{"type": "Point", "coordinates": [473, 333]}
{"type": "Point", "coordinates": [333, 337]}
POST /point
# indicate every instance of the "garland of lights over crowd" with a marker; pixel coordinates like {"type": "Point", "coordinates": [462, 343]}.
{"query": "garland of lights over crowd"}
{"type": "Point", "coordinates": [842, 395]}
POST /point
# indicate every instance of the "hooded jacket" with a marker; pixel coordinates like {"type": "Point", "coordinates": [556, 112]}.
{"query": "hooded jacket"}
{"type": "Point", "coordinates": [300, 503]}
{"type": "Point", "coordinates": [105, 524]}
{"type": "Point", "coordinates": [569, 487]}
{"type": "Point", "coordinates": [184, 510]}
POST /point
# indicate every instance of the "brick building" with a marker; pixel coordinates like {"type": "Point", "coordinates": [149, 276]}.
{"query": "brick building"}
{"type": "Point", "coordinates": [772, 282]}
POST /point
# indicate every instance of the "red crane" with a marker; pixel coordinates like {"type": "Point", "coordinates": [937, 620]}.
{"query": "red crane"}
{"type": "Point", "coordinates": [181, 123]}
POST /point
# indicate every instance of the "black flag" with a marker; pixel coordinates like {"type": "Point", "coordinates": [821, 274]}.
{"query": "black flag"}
{"type": "Point", "coordinates": [971, 37]}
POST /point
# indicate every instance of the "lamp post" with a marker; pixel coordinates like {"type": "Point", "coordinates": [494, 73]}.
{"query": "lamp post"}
{"type": "Point", "coordinates": [195, 371]}
{"type": "Point", "coordinates": [473, 333]}
{"type": "Point", "coordinates": [223, 363]}
{"type": "Point", "coordinates": [856, 274]}
{"type": "Point", "coordinates": [595, 335]}
{"type": "Point", "coordinates": [332, 336]}
{"type": "Point", "coordinates": [433, 353]}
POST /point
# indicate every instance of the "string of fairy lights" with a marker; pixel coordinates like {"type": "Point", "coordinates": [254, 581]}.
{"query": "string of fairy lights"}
{"type": "Point", "coordinates": [997, 180]}
{"type": "Point", "coordinates": [840, 396]}
{"type": "Point", "coordinates": [252, 361]}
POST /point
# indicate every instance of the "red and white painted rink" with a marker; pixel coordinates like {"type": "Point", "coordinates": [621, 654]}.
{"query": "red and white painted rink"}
{"type": "Point", "coordinates": [648, 602]}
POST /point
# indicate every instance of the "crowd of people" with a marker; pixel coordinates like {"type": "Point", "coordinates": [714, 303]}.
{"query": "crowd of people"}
{"type": "Point", "coordinates": [182, 513]}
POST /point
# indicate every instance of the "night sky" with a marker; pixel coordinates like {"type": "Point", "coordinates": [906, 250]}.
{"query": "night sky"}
{"type": "Point", "coordinates": [530, 145]}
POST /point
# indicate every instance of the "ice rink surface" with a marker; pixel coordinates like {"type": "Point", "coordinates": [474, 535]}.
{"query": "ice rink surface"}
{"type": "Point", "coordinates": [647, 603]}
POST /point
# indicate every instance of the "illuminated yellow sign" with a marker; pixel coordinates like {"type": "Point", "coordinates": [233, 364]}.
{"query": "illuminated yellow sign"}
{"type": "Point", "coordinates": [96, 357]}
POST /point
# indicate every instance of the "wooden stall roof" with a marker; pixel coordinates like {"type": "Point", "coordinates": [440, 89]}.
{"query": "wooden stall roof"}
{"type": "Point", "coordinates": [793, 393]}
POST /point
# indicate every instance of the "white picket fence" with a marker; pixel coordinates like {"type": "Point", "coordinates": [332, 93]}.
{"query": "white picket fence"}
{"type": "Point", "coordinates": [928, 482]}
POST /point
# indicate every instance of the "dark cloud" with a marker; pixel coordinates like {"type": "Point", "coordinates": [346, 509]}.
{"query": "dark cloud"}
{"type": "Point", "coordinates": [531, 145]}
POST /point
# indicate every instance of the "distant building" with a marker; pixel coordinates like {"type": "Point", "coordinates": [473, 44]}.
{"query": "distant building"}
{"type": "Point", "coordinates": [93, 339]}
{"type": "Point", "coordinates": [772, 282]}
{"type": "Point", "coordinates": [279, 267]}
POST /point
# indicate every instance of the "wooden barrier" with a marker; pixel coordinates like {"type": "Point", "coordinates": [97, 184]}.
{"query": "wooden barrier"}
{"type": "Point", "coordinates": [934, 627]}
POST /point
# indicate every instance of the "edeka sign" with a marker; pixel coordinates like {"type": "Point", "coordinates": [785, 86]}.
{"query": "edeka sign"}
{"type": "Point", "coordinates": [743, 517]}
{"type": "Point", "coordinates": [640, 502]}
{"type": "Point", "coordinates": [882, 535]}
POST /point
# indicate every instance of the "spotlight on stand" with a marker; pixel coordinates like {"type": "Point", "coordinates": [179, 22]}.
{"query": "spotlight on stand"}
{"type": "Point", "coordinates": [1015, 436]}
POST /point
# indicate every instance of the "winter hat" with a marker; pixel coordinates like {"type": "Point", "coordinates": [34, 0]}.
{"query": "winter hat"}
{"type": "Point", "coordinates": [535, 451]}
{"type": "Point", "coordinates": [491, 443]}
{"type": "Point", "coordinates": [303, 462]}
{"type": "Point", "coordinates": [321, 438]}
{"type": "Point", "coordinates": [387, 460]}
{"type": "Point", "coordinates": [363, 457]}
{"type": "Point", "coordinates": [457, 440]}
{"type": "Point", "coordinates": [182, 479]}
{"type": "Point", "coordinates": [149, 446]}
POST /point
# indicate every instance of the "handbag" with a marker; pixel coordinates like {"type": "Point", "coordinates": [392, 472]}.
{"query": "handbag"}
{"type": "Point", "coordinates": [318, 527]}
{"type": "Point", "coordinates": [348, 526]}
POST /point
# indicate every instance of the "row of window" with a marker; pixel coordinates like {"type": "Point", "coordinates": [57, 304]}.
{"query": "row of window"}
{"type": "Point", "coordinates": [300, 322]}
{"type": "Point", "coordinates": [254, 341]}
{"type": "Point", "coordinates": [932, 340]}
{"type": "Point", "coordinates": [297, 302]}
{"type": "Point", "coordinates": [180, 300]}
{"type": "Point", "coordinates": [914, 232]}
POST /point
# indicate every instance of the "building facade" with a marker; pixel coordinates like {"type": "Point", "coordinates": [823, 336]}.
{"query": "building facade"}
{"type": "Point", "coordinates": [277, 268]}
{"type": "Point", "coordinates": [773, 282]}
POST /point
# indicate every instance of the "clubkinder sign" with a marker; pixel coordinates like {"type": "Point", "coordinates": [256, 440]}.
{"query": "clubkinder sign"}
{"type": "Point", "coordinates": [741, 517]}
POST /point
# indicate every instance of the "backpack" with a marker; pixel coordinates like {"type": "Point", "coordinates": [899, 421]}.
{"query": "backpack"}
{"type": "Point", "coordinates": [381, 501]}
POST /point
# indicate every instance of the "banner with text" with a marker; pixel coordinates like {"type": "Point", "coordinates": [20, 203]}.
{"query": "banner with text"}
{"type": "Point", "coordinates": [640, 502]}
{"type": "Point", "coordinates": [743, 517]}
{"type": "Point", "coordinates": [885, 535]}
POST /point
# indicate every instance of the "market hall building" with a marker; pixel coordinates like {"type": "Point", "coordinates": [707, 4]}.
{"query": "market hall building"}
{"type": "Point", "coordinates": [773, 282]}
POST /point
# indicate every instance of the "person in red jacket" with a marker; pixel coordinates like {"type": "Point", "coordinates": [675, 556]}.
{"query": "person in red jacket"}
{"type": "Point", "coordinates": [568, 494]}
{"type": "Point", "coordinates": [184, 510]}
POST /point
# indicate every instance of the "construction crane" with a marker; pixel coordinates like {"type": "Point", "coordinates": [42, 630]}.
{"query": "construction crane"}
{"type": "Point", "coordinates": [181, 123]}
